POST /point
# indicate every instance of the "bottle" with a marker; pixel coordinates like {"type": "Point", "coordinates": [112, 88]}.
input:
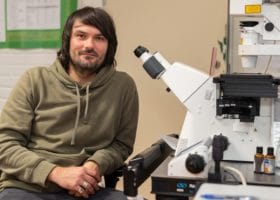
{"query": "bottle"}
{"type": "Point", "coordinates": [269, 161]}
{"type": "Point", "coordinates": [259, 157]}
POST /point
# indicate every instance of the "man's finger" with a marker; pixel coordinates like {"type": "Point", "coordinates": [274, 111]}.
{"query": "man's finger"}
{"type": "Point", "coordinates": [82, 192]}
{"type": "Point", "coordinates": [89, 187]}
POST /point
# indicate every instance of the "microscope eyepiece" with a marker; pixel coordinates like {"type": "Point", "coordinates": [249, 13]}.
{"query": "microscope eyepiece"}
{"type": "Point", "coordinates": [152, 65]}
{"type": "Point", "coordinates": [140, 50]}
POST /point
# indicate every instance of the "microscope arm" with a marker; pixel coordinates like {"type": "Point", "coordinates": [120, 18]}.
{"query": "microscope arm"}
{"type": "Point", "coordinates": [142, 165]}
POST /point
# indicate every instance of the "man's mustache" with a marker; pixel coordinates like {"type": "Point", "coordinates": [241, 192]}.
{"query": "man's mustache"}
{"type": "Point", "coordinates": [89, 51]}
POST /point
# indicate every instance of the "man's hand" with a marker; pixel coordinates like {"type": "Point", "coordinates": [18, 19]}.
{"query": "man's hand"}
{"type": "Point", "coordinates": [80, 181]}
{"type": "Point", "coordinates": [94, 168]}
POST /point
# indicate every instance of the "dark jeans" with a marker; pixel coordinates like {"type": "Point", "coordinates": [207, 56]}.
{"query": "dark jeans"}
{"type": "Point", "coordinates": [19, 194]}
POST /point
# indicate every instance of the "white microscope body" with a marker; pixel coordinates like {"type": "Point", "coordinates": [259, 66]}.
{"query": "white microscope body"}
{"type": "Point", "coordinates": [199, 94]}
{"type": "Point", "coordinates": [204, 99]}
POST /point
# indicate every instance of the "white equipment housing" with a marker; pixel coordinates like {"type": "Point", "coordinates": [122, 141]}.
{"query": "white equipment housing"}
{"type": "Point", "coordinates": [259, 38]}
{"type": "Point", "coordinates": [198, 93]}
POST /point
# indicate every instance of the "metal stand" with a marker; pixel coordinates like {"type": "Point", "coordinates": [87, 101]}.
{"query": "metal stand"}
{"type": "Point", "coordinates": [142, 165]}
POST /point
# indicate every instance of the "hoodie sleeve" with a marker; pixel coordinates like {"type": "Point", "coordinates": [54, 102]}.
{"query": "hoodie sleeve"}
{"type": "Point", "coordinates": [114, 156]}
{"type": "Point", "coordinates": [15, 130]}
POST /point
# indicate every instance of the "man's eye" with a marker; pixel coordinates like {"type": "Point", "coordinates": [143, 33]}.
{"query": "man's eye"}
{"type": "Point", "coordinates": [81, 36]}
{"type": "Point", "coordinates": [100, 38]}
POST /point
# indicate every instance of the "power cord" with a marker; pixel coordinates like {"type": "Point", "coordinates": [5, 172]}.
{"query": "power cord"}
{"type": "Point", "coordinates": [239, 173]}
{"type": "Point", "coordinates": [231, 175]}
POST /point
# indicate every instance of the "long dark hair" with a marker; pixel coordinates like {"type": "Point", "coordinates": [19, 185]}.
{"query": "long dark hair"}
{"type": "Point", "coordinates": [98, 18]}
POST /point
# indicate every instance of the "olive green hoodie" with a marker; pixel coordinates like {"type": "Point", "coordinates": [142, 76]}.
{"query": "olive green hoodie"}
{"type": "Point", "coordinates": [49, 120]}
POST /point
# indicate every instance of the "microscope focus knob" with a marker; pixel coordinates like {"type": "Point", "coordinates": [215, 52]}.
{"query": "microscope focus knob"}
{"type": "Point", "coordinates": [195, 163]}
{"type": "Point", "coordinates": [269, 26]}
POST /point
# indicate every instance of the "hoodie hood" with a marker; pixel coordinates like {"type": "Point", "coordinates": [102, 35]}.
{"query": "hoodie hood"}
{"type": "Point", "coordinates": [101, 78]}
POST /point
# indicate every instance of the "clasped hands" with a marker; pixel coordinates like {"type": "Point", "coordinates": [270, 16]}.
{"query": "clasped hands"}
{"type": "Point", "coordinates": [80, 181]}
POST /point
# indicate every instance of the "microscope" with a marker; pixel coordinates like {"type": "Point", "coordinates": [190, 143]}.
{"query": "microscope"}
{"type": "Point", "coordinates": [229, 115]}
{"type": "Point", "coordinates": [237, 106]}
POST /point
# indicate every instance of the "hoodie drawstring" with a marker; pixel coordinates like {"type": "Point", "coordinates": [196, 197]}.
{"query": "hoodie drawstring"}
{"type": "Point", "coordinates": [86, 108]}
{"type": "Point", "coordinates": [79, 111]}
{"type": "Point", "coordinates": [77, 115]}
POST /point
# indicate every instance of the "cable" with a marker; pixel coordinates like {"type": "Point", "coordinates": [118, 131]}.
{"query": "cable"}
{"type": "Point", "coordinates": [239, 173]}
{"type": "Point", "coordinates": [232, 175]}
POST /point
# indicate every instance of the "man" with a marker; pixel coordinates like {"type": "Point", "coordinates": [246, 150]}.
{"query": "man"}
{"type": "Point", "coordinates": [66, 125]}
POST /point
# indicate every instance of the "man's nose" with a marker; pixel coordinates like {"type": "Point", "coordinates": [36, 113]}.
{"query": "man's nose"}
{"type": "Point", "coordinates": [90, 43]}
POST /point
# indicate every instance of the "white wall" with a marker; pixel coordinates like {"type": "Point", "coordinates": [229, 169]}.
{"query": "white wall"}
{"type": "Point", "coordinates": [13, 62]}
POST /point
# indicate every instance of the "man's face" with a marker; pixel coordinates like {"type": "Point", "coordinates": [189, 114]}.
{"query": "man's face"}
{"type": "Point", "coordinates": [88, 48]}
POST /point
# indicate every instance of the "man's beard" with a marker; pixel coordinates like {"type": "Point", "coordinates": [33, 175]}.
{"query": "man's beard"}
{"type": "Point", "coordinates": [86, 67]}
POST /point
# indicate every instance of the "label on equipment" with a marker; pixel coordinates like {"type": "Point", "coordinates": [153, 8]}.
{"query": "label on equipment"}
{"type": "Point", "coordinates": [253, 9]}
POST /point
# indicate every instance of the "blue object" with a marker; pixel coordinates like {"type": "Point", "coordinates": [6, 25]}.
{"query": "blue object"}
{"type": "Point", "coordinates": [227, 197]}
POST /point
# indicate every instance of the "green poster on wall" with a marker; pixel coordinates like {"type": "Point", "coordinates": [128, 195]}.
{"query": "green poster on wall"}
{"type": "Point", "coordinates": [33, 23]}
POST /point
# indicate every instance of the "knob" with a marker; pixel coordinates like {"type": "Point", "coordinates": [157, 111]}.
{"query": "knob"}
{"type": "Point", "coordinates": [195, 163]}
{"type": "Point", "coordinates": [269, 27]}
